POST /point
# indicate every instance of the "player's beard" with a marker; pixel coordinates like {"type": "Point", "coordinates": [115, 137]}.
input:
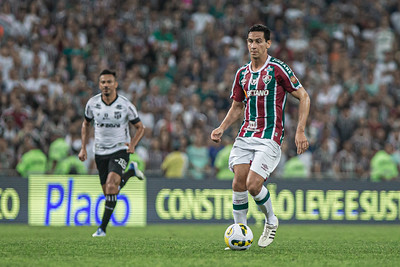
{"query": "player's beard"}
{"type": "Point", "coordinates": [106, 92]}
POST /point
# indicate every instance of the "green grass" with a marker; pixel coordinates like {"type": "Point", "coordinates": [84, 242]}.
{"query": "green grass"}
{"type": "Point", "coordinates": [199, 245]}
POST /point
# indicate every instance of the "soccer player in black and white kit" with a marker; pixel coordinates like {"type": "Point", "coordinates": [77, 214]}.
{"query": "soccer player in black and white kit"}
{"type": "Point", "coordinates": [112, 114]}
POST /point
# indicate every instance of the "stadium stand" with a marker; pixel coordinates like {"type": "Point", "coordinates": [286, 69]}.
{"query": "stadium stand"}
{"type": "Point", "coordinates": [177, 58]}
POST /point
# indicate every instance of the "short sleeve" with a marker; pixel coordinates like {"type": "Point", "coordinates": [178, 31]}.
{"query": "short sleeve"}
{"type": "Point", "coordinates": [237, 93]}
{"type": "Point", "coordinates": [286, 78]}
{"type": "Point", "coordinates": [89, 111]}
{"type": "Point", "coordinates": [133, 115]}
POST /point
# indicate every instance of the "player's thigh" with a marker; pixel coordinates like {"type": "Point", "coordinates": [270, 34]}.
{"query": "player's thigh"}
{"type": "Point", "coordinates": [240, 159]}
{"type": "Point", "coordinates": [265, 160]}
{"type": "Point", "coordinates": [240, 154]}
{"type": "Point", "coordinates": [118, 162]}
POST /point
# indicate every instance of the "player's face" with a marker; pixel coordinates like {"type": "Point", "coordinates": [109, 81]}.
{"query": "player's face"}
{"type": "Point", "coordinates": [108, 85]}
{"type": "Point", "coordinates": [257, 44]}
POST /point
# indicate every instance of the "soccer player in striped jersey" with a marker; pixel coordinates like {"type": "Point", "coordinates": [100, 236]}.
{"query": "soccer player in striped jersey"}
{"type": "Point", "coordinates": [111, 114]}
{"type": "Point", "coordinates": [259, 91]}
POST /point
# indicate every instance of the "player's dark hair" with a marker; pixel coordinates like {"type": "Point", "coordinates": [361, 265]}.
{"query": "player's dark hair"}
{"type": "Point", "coordinates": [260, 28]}
{"type": "Point", "coordinates": [106, 71]}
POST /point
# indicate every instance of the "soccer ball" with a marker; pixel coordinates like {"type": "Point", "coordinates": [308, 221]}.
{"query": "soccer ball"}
{"type": "Point", "coordinates": [238, 236]}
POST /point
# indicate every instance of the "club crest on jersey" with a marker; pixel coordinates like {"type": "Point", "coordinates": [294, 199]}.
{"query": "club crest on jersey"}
{"type": "Point", "coordinates": [266, 78]}
{"type": "Point", "coordinates": [117, 114]}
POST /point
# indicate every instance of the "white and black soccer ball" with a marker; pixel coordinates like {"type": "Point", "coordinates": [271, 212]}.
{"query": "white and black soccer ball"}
{"type": "Point", "coordinates": [238, 236]}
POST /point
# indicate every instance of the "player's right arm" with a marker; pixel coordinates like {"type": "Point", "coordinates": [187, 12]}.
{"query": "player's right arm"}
{"type": "Point", "coordinates": [84, 138]}
{"type": "Point", "coordinates": [85, 130]}
{"type": "Point", "coordinates": [233, 114]}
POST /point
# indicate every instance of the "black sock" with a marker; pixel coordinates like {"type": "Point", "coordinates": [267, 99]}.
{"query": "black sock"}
{"type": "Point", "coordinates": [125, 177]}
{"type": "Point", "coordinates": [111, 201]}
{"type": "Point", "coordinates": [122, 184]}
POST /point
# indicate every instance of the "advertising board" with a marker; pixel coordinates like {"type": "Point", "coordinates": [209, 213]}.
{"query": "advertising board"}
{"type": "Point", "coordinates": [79, 200]}
{"type": "Point", "coordinates": [13, 200]}
{"type": "Point", "coordinates": [297, 201]}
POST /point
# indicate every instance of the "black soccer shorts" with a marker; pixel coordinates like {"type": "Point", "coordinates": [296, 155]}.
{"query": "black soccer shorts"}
{"type": "Point", "coordinates": [115, 162]}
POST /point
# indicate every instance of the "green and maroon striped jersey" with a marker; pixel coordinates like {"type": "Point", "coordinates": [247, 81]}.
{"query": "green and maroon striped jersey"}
{"type": "Point", "coordinates": [264, 95]}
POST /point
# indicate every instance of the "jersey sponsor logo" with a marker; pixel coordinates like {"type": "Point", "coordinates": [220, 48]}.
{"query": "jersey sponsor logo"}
{"type": "Point", "coordinates": [118, 107]}
{"type": "Point", "coordinates": [109, 125]}
{"type": "Point", "coordinates": [117, 114]}
{"type": "Point", "coordinates": [98, 106]}
{"type": "Point", "coordinates": [253, 81]}
{"type": "Point", "coordinates": [293, 80]}
{"type": "Point", "coordinates": [252, 126]}
{"type": "Point", "coordinates": [105, 116]}
{"type": "Point", "coordinates": [257, 93]}
{"type": "Point", "coordinates": [243, 74]}
{"type": "Point", "coordinates": [121, 162]}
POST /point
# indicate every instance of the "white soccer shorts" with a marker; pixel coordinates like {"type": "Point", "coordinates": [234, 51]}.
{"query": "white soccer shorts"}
{"type": "Point", "coordinates": [262, 154]}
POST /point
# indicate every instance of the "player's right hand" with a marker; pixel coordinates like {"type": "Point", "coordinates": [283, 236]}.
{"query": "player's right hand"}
{"type": "Point", "coordinates": [217, 134]}
{"type": "Point", "coordinates": [82, 155]}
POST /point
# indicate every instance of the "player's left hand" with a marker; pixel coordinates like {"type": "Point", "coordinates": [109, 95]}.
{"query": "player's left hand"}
{"type": "Point", "coordinates": [131, 149]}
{"type": "Point", "coordinates": [301, 142]}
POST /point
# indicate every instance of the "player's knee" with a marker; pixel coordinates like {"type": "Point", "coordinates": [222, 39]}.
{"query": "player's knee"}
{"type": "Point", "coordinates": [111, 188]}
{"type": "Point", "coordinates": [253, 188]}
{"type": "Point", "coordinates": [237, 186]}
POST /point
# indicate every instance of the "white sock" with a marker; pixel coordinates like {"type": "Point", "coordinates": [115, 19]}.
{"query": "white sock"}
{"type": "Point", "coordinates": [263, 201]}
{"type": "Point", "coordinates": [240, 206]}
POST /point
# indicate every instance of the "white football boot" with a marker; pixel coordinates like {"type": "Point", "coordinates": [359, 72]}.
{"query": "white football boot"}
{"type": "Point", "coordinates": [99, 233]}
{"type": "Point", "coordinates": [268, 235]}
{"type": "Point", "coordinates": [133, 170]}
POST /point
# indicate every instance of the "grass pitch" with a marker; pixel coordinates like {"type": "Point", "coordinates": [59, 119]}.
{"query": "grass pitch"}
{"type": "Point", "coordinates": [199, 245]}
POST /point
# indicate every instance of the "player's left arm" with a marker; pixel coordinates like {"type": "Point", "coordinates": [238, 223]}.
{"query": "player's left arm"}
{"type": "Point", "coordinates": [139, 132]}
{"type": "Point", "coordinates": [304, 109]}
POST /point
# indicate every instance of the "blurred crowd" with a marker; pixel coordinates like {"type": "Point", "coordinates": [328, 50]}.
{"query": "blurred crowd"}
{"type": "Point", "coordinates": [175, 60]}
